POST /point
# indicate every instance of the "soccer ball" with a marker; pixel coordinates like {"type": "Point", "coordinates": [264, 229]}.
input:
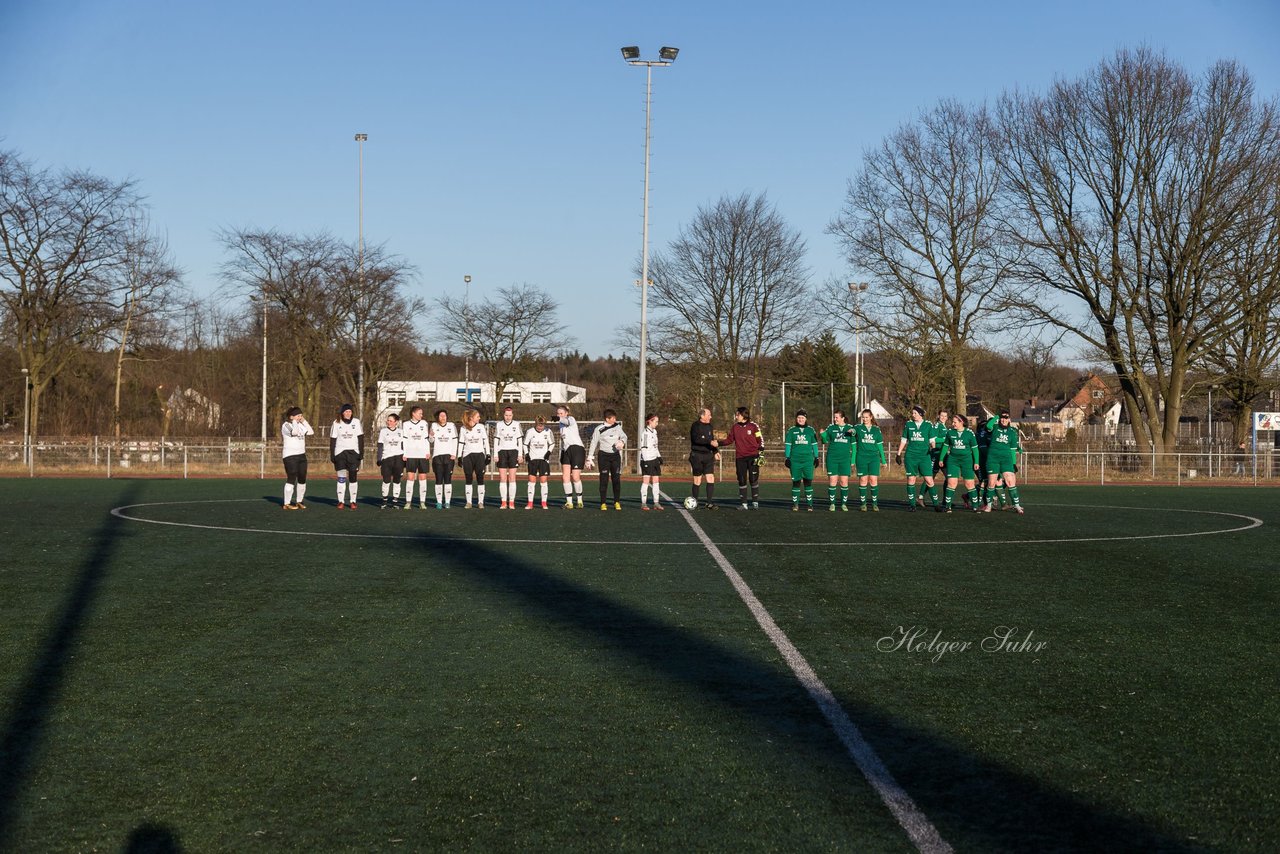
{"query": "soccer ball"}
{"type": "Point", "coordinates": [691, 503]}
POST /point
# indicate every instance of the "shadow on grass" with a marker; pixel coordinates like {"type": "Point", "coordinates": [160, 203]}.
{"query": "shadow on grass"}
{"type": "Point", "coordinates": [153, 839]}
{"type": "Point", "coordinates": [976, 803]}
{"type": "Point", "coordinates": [27, 726]}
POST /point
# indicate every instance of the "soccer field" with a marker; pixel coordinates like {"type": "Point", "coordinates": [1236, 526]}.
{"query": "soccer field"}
{"type": "Point", "coordinates": [201, 670]}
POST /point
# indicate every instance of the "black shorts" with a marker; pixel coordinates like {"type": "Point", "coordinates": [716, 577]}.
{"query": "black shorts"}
{"type": "Point", "coordinates": [349, 460]}
{"type": "Point", "coordinates": [651, 468]}
{"type": "Point", "coordinates": [574, 456]}
{"type": "Point", "coordinates": [392, 468]}
{"type": "Point", "coordinates": [702, 464]}
{"type": "Point", "coordinates": [442, 467]}
{"type": "Point", "coordinates": [417, 465]}
{"type": "Point", "coordinates": [540, 468]}
{"type": "Point", "coordinates": [473, 466]}
{"type": "Point", "coordinates": [295, 468]}
{"type": "Point", "coordinates": [508, 459]}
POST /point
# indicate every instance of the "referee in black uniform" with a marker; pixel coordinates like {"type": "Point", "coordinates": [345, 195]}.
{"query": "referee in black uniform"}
{"type": "Point", "coordinates": [704, 450]}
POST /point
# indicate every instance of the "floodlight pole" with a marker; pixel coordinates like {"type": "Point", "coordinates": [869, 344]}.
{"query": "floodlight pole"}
{"type": "Point", "coordinates": [856, 288]}
{"type": "Point", "coordinates": [360, 140]}
{"type": "Point", "coordinates": [466, 319]}
{"type": "Point", "coordinates": [26, 416]}
{"type": "Point", "coordinates": [631, 56]}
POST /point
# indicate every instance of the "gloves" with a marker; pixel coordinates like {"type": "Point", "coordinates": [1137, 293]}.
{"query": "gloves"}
{"type": "Point", "coordinates": [786, 461]}
{"type": "Point", "coordinates": [897, 458]}
{"type": "Point", "coordinates": [378, 460]}
{"type": "Point", "coordinates": [488, 458]}
{"type": "Point", "coordinates": [1015, 468]}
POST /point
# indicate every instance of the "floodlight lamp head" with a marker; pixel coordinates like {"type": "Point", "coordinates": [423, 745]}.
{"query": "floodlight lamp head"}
{"type": "Point", "coordinates": [362, 137]}
{"type": "Point", "coordinates": [668, 54]}
{"type": "Point", "coordinates": [630, 53]}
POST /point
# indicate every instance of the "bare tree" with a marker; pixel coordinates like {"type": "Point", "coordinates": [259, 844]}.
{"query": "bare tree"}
{"type": "Point", "coordinates": [295, 275]}
{"type": "Point", "coordinates": [1128, 188]}
{"type": "Point", "coordinates": [63, 243]}
{"type": "Point", "coordinates": [730, 291]}
{"type": "Point", "coordinates": [507, 333]}
{"type": "Point", "coordinates": [376, 315]}
{"type": "Point", "coordinates": [921, 221]}
{"type": "Point", "coordinates": [147, 279]}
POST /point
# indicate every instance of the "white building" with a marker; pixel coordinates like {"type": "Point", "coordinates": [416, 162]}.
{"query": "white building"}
{"type": "Point", "coordinates": [394, 395]}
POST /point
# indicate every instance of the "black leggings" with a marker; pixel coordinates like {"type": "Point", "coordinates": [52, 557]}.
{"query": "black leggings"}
{"type": "Point", "coordinates": [392, 469]}
{"type": "Point", "coordinates": [442, 468]}
{"type": "Point", "coordinates": [473, 468]}
{"type": "Point", "coordinates": [295, 468]}
{"type": "Point", "coordinates": [610, 470]}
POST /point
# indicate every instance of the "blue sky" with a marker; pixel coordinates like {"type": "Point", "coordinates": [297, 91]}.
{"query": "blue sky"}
{"type": "Point", "coordinates": [506, 139]}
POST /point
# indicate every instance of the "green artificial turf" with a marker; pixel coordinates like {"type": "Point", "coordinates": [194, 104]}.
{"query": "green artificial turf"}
{"type": "Point", "coordinates": [570, 680]}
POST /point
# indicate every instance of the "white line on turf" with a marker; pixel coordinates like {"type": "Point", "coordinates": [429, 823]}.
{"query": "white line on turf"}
{"type": "Point", "coordinates": [1253, 523]}
{"type": "Point", "coordinates": [919, 829]}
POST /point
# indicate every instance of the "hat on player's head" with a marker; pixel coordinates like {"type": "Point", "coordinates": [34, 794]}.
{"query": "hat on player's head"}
{"type": "Point", "coordinates": [346, 407]}
{"type": "Point", "coordinates": [1004, 413]}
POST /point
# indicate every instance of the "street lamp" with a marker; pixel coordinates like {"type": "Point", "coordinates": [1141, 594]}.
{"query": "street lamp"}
{"type": "Point", "coordinates": [856, 288]}
{"type": "Point", "coordinates": [360, 140]}
{"type": "Point", "coordinates": [26, 416]}
{"type": "Point", "coordinates": [466, 319]}
{"type": "Point", "coordinates": [666, 56]}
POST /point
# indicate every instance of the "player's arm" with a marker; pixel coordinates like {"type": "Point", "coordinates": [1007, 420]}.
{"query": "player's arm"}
{"type": "Point", "coordinates": [333, 446]}
{"type": "Point", "coordinates": [378, 459]}
{"type": "Point", "coordinates": [360, 446]}
{"type": "Point", "coordinates": [306, 428]}
{"type": "Point", "coordinates": [621, 441]}
{"type": "Point", "coordinates": [884, 455]}
{"type": "Point", "coordinates": [595, 443]}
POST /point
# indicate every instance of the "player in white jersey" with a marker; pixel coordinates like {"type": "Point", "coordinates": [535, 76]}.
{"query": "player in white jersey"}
{"type": "Point", "coordinates": [294, 431]}
{"type": "Point", "coordinates": [417, 452]}
{"type": "Point", "coordinates": [507, 434]}
{"type": "Point", "coordinates": [573, 456]}
{"type": "Point", "coordinates": [538, 443]}
{"type": "Point", "coordinates": [444, 455]}
{"type": "Point", "coordinates": [650, 464]}
{"type": "Point", "coordinates": [391, 460]}
{"type": "Point", "coordinates": [607, 443]}
{"type": "Point", "coordinates": [473, 448]}
{"type": "Point", "coordinates": [346, 450]}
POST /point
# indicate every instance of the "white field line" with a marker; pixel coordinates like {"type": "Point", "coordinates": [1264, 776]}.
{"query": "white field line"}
{"type": "Point", "coordinates": [1253, 523]}
{"type": "Point", "coordinates": [919, 829]}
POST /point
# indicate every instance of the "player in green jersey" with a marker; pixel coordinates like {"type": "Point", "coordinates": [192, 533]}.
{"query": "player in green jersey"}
{"type": "Point", "coordinates": [838, 439]}
{"type": "Point", "coordinates": [983, 433]}
{"type": "Point", "coordinates": [801, 450]}
{"type": "Point", "coordinates": [1002, 461]}
{"type": "Point", "coordinates": [868, 458]}
{"type": "Point", "coordinates": [915, 456]}
{"type": "Point", "coordinates": [940, 428]}
{"type": "Point", "coordinates": [959, 457]}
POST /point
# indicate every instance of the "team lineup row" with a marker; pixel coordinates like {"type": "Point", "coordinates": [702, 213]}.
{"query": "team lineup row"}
{"type": "Point", "coordinates": [985, 461]}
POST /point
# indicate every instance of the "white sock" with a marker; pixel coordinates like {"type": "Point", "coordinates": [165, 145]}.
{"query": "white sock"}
{"type": "Point", "coordinates": [342, 492]}
{"type": "Point", "coordinates": [354, 489]}
{"type": "Point", "coordinates": [288, 493]}
{"type": "Point", "coordinates": [395, 491]}
{"type": "Point", "coordinates": [301, 491]}
{"type": "Point", "coordinates": [480, 493]}
{"type": "Point", "coordinates": [502, 491]}
{"type": "Point", "coordinates": [644, 493]}
{"type": "Point", "coordinates": [386, 490]}
{"type": "Point", "coordinates": [439, 493]}
{"type": "Point", "coordinates": [470, 492]}
{"type": "Point", "coordinates": [568, 490]}
{"type": "Point", "coordinates": [448, 493]}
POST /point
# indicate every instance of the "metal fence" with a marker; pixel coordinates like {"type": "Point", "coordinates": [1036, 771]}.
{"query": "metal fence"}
{"type": "Point", "coordinates": [100, 457]}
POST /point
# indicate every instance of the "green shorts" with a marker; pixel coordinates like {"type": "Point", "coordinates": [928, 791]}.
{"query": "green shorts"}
{"type": "Point", "coordinates": [839, 468]}
{"type": "Point", "coordinates": [802, 470]}
{"type": "Point", "coordinates": [868, 467]}
{"type": "Point", "coordinates": [917, 466]}
{"type": "Point", "coordinates": [960, 467]}
{"type": "Point", "coordinates": [999, 463]}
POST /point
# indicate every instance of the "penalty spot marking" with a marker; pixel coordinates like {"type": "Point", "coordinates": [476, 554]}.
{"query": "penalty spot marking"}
{"type": "Point", "coordinates": [1252, 521]}
{"type": "Point", "coordinates": [919, 829]}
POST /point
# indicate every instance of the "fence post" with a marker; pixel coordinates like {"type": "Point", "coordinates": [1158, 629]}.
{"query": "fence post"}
{"type": "Point", "coordinates": [262, 462]}
{"type": "Point", "coordinates": [228, 455]}
{"type": "Point", "coordinates": [1178, 461]}
{"type": "Point", "coordinates": [108, 460]}
{"type": "Point", "coordinates": [1102, 469]}
{"type": "Point", "coordinates": [184, 462]}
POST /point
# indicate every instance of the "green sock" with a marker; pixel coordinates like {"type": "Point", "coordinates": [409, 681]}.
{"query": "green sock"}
{"type": "Point", "coordinates": [844, 495]}
{"type": "Point", "coordinates": [1013, 496]}
{"type": "Point", "coordinates": [831, 494]}
{"type": "Point", "coordinates": [862, 495]}
{"type": "Point", "coordinates": [795, 492]}
{"type": "Point", "coordinates": [911, 493]}
{"type": "Point", "coordinates": [875, 495]}
{"type": "Point", "coordinates": [973, 497]}
{"type": "Point", "coordinates": [808, 495]}
{"type": "Point", "coordinates": [950, 493]}
{"type": "Point", "coordinates": [933, 495]}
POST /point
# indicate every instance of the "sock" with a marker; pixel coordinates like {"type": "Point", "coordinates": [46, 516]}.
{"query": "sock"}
{"type": "Point", "coordinates": [973, 497]}
{"type": "Point", "coordinates": [694, 493]}
{"type": "Point", "coordinates": [808, 494]}
{"type": "Point", "coordinates": [911, 493]}
{"type": "Point", "coordinates": [386, 490]}
{"type": "Point", "coordinates": [439, 493]}
{"type": "Point", "coordinates": [1013, 496]}
{"type": "Point", "coordinates": [875, 495]}
{"type": "Point", "coordinates": [355, 488]}
{"type": "Point", "coordinates": [299, 493]}
{"type": "Point", "coordinates": [479, 493]}
{"type": "Point", "coordinates": [395, 492]}
{"type": "Point", "coordinates": [795, 492]}
{"type": "Point", "coordinates": [862, 495]}
{"type": "Point", "coordinates": [950, 493]}
{"type": "Point", "coordinates": [448, 493]}
{"type": "Point", "coordinates": [288, 493]}
{"type": "Point", "coordinates": [933, 495]}
{"type": "Point", "coordinates": [342, 492]}
{"type": "Point", "coordinates": [844, 495]}
{"type": "Point", "coordinates": [711, 491]}
{"type": "Point", "coordinates": [831, 494]}
{"type": "Point", "coordinates": [471, 491]}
